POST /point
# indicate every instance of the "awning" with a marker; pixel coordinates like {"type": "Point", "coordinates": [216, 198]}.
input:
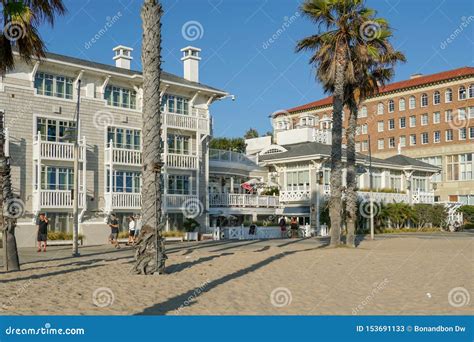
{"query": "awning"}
{"type": "Point", "coordinates": [296, 211]}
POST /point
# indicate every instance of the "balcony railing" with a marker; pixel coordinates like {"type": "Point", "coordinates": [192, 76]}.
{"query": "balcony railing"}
{"type": "Point", "coordinates": [181, 161]}
{"type": "Point", "coordinates": [122, 156]}
{"type": "Point", "coordinates": [231, 156]}
{"type": "Point", "coordinates": [52, 150]}
{"type": "Point", "coordinates": [123, 200]}
{"type": "Point", "coordinates": [184, 202]}
{"type": "Point", "coordinates": [243, 200]}
{"type": "Point", "coordinates": [386, 197]}
{"type": "Point", "coordinates": [55, 199]}
{"type": "Point", "coordinates": [187, 122]}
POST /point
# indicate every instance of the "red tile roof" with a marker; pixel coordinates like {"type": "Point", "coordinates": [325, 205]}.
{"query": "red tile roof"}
{"type": "Point", "coordinates": [415, 82]}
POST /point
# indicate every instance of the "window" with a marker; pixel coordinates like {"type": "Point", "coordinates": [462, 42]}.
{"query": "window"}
{"type": "Point", "coordinates": [178, 144]}
{"type": "Point", "coordinates": [380, 108]}
{"type": "Point", "coordinates": [124, 181]}
{"type": "Point", "coordinates": [449, 135]}
{"type": "Point", "coordinates": [380, 144]}
{"type": "Point", "coordinates": [412, 121]}
{"type": "Point", "coordinates": [424, 119]}
{"type": "Point", "coordinates": [403, 122]}
{"type": "Point", "coordinates": [436, 136]}
{"type": "Point", "coordinates": [57, 178]}
{"type": "Point", "coordinates": [357, 147]}
{"type": "Point", "coordinates": [462, 114]}
{"type": "Point", "coordinates": [436, 161]}
{"type": "Point", "coordinates": [436, 98]}
{"type": "Point", "coordinates": [56, 130]}
{"type": "Point", "coordinates": [357, 130]}
{"type": "Point", "coordinates": [395, 181]}
{"type": "Point", "coordinates": [179, 185]}
{"type": "Point", "coordinates": [297, 180]}
{"type": "Point", "coordinates": [424, 100]}
{"type": "Point", "coordinates": [462, 93]}
{"type": "Point", "coordinates": [380, 126]}
{"type": "Point", "coordinates": [391, 124]}
{"type": "Point", "coordinates": [365, 145]}
{"type": "Point", "coordinates": [424, 138]}
{"type": "Point", "coordinates": [448, 95]}
{"type": "Point", "coordinates": [53, 85]}
{"type": "Point", "coordinates": [391, 106]}
{"type": "Point", "coordinates": [365, 128]}
{"type": "Point", "coordinates": [127, 138]}
{"type": "Point", "coordinates": [412, 139]}
{"type": "Point", "coordinates": [436, 117]}
{"type": "Point", "coordinates": [462, 133]}
{"type": "Point", "coordinates": [363, 112]}
{"type": "Point", "coordinates": [403, 141]}
{"type": "Point", "coordinates": [120, 97]}
{"type": "Point", "coordinates": [471, 132]}
{"type": "Point", "coordinates": [460, 167]}
{"type": "Point", "coordinates": [448, 115]}
{"type": "Point", "coordinates": [401, 104]}
{"type": "Point", "coordinates": [471, 112]}
{"type": "Point", "coordinates": [412, 102]}
{"type": "Point", "coordinates": [175, 104]}
{"type": "Point", "coordinates": [471, 91]}
{"type": "Point", "coordinates": [391, 142]}
{"type": "Point", "coordinates": [419, 183]}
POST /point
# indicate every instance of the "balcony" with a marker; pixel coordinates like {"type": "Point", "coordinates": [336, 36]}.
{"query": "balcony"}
{"type": "Point", "coordinates": [243, 201]}
{"type": "Point", "coordinates": [52, 150]}
{"type": "Point", "coordinates": [55, 199]}
{"type": "Point", "coordinates": [182, 201]}
{"type": "Point", "coordinates": [296, 194]}
{"type": "Point", "coordinates": [122, 156]}
{"type": "Point", "coordinates": [197, 121]}
{"type": "Point", "coordinates": [181, 161]}
{"type": "Point", "coordinates": [123, 201]}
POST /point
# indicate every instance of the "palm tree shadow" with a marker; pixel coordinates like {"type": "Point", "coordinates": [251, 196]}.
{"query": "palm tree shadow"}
{"type": "Point", "coordinates": [179, 301]}
{"type": "Point", "coordinates": [188, 264]}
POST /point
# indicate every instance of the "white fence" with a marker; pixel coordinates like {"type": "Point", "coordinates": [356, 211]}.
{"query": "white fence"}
{"type": "Point", "coordinates": [243, 200]}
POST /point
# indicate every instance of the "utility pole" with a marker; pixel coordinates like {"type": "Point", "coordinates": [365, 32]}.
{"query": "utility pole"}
{"type": "Point", "coordinates": [3, 223]}
{"type": "Point", "coordinates": [370, 194]}
{"type": "Point", "coordinates": [75, 191]}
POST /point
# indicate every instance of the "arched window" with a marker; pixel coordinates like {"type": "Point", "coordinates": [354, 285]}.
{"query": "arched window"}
{"type": "Point", "coordinates": [436, 98]}
{"type": "Point", "coordinates": [448, 95]}
{"type": "Point", "coordinates": [462, 93]}
{"type": "Point", "coordinates": [471, 91]}
{"type": "Point", "coordinates": [380, 108]}
{"type": "Point", "coordinates": [424, 100]}
{"type": "Point", "coordinates": [391, 106]}
{"type": "Point", "coordinates": [412, 102]}
{"type": "Point", "coordinates": [401, 104]}
{"type": "Point", "coordinates": [363, 112]}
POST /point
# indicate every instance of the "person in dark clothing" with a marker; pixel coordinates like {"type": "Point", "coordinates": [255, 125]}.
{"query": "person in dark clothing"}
{"type": "Point", "coordinates": [282, 224]}
{"type": "Point", "coordinates": [294, 227]}
{"type": "Point", "coordinates": [42, 231]}
{"type": "Point", "coordinates": [114, 230]}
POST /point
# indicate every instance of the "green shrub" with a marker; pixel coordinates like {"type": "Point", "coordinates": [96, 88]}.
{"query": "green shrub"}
{"type": "Point", "coordinates": [173, 233]}
{"type": "Point", "coordinates": [468, 213]}
{"type": "Point", "coordinates": [272, 191]}
{"type": "Point", "coordinates": [61, 236]}
{"type": "Point", "coordinates": [190, 225]}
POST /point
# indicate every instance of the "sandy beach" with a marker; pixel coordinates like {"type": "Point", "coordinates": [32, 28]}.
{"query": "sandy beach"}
{"type": "Point", "coordinates": [407, 275]}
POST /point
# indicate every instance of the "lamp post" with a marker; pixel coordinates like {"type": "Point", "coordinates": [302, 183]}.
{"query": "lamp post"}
{"type": "Point", "coordinates": [75, 191]}
{"type": "Point", "coordinates": [370, 194]}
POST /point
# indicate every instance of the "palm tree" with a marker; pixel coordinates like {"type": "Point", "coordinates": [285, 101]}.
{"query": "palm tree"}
{"type": "Point", "coordinates": [150, 252]}
{"type": "Point", "coordinates": [331, 58]}
{"type": "Point", "coordinates": [21, 19]}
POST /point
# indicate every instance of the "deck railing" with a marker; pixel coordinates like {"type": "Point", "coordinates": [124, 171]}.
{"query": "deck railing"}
{"type": "Point", "coordinates": [181, 161]}
{"type": "Point", "coordinates": [56, 199]}
{"type": "Point", "coordinates": [54, 150]}
{"type": "Point", "coordinates": [122, 156]}
{"type": "Point", "coordinates": [243, 200]}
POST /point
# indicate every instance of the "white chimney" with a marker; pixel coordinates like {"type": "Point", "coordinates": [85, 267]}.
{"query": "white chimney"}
{"type": "Point", "coordinates": [191, 58]}
{"type": "Point", "coordinates": [123, 56]}
{"type": "Point", "coordinates": [415, 76]}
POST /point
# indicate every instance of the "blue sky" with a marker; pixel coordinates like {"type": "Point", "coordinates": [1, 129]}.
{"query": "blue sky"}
{"type": "Point", "coordinates": [237, 55]}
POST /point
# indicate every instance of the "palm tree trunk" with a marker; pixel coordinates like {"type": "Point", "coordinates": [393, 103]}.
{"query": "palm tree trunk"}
{"type": "Point", "coordinates": [351, 180]}
{"type": "Point", "coordinates": [150, 253]}
{"type": "Point", "coordinates": [335, 208]}
{"type": "Point", "coordinates": [8, 221]}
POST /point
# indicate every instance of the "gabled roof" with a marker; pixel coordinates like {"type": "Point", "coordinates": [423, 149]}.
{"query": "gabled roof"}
{"type": "Point", "coordinates": [401, 159]}
{"type": "Point", "coordinates": [410, 83]}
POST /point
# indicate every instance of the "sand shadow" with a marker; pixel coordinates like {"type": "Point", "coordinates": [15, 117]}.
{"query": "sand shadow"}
{"type": "Point", "coordinates": [188, 264]}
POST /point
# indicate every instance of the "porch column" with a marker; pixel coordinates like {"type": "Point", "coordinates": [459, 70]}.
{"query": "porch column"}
{"type": "Point", "coordinates": [231, 184]}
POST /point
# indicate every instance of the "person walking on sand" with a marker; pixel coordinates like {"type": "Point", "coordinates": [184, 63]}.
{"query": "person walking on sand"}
{"type": "Point", "coordinates": [282, 224]}
{"type": "Point", "coordinates": [131, 230]}
{"type": "Point", "coordinates": [294, 227]}
{"type": "Point", "coordinates": [114, 230]}
{"type": "Point", "coordinates": [42, 231]}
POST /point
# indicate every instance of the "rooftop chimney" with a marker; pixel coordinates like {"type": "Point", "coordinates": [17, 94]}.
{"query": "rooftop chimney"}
{"type": "Point", "coordinates": [122, 56]}
{"type": "Point", "coordinates": [191, 58]}
{"type": "Point", "coordinates": [415, 76]}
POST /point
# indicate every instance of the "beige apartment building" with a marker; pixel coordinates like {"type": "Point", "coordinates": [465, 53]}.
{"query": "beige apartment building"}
{"type": "Point", "coordinates": [427, 117]}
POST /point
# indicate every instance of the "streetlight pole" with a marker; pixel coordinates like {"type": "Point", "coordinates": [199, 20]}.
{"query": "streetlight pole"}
{"type": "Point", "coordinates": [75, 192]}
{"type": "Point", "coordinates": [371, 200]}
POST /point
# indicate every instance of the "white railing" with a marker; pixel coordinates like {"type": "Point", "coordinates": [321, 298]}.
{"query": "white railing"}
{"type": "Point", "coordinates": [422, 197]}
{"type": "Point", "coordinates": [242, 233]}
{"type": "Point", "coordinates": [182, 202]}
{"type": "Point", "coordinates": [123, 156]}
{"type": "Point", "coordinates": [181, 161]}
{"type": "Point", "coordinates": [187, 122]}
{"type": "Point", "coordinates": [230, 156]}
{"type": "Point", "coordinates": [53, 150]}
{"type": "Point", "coordinates": [123, 200]}
{"type": "Point", "coordinates": [295, 194]}
{"type": "Point", "coordinates": [386, 197]}
{"type": "Point", "coordinates": [56, 199]}
{"type": "Point", "coordinates": [243, 200]}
